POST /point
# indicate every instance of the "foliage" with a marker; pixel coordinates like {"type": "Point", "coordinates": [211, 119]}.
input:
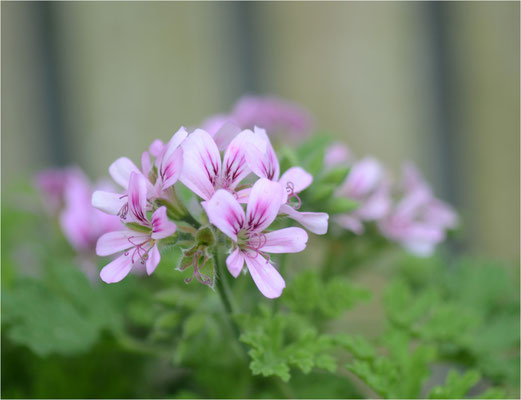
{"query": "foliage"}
{"type": "Point", "coordinates": [168, 336]}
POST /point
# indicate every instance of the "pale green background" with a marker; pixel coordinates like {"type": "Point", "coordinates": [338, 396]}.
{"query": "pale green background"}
{"type": "Point", "coordinates": [130, 72]}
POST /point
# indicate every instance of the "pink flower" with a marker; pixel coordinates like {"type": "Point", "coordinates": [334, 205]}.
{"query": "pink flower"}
{"type": "Point", "coordinates": [337, 154]}
{"type": "Point", "coordinates": [169, 163]}
{"type": "Point", "coordinates": [82, 224]}
{"type": "Point", "coordinates": [368, 185]}
{"type": "Point", "coordinates": [52, 183]}
{"type": "Point", "coordinates": [138, 246]}
{"type": "Point", "coordinates": [275, 115]}
{"type": "Point", "coordinates": [203, 171]}
{"type": "Point", "coordinates": [246, 230]}
{"type": "Point", "coordinates": [264, 163]}
{"type": "Point", "coordinates": [66, 193]}
{"type": "Point", "coordinates": [419, 220]}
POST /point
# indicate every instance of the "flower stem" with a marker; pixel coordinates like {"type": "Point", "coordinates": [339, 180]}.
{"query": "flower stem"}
{"type": "Point", "coordinates": [223, 288]}
{"type": "Point", "coordinates": [227, 300]}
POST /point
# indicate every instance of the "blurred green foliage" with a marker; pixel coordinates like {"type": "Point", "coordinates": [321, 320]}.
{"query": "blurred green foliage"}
{"type": "Point", "coordinates": [65, 335]}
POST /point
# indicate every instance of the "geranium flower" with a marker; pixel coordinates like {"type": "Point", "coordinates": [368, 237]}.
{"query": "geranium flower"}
{"type": "Point", "coordinates": [169, 162]}
{"type": "Point", "coordinates": [368, 185]}
{"type": "Point", "coordinates": [264, 163]}
{"type": "Point", "coordinates": [418, 221]}
{"type": "Point", "coordinates": [246, 230]}
{"type": "Point", "coordinates": [203, 171]}
{"type": "Point", "coordinates": [140, 245]}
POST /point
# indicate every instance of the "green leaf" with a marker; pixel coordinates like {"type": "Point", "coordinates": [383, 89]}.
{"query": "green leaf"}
{"type": "Point", "coordinates": [358, 346]}
{"type": "Point", "coordinates": [311, 154]}
{"type": "Point", "coordinates": [281, 341]}
{"type": "Point", "coordinates": [64, 316]}
{"type": "Point", "coordinates": [307, 293]}
{"type": "Point", "coordinates": [456, 385]}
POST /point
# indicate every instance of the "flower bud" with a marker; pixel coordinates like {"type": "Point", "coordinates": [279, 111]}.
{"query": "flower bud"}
{"type": "Point", "coordinates": [205, 237]}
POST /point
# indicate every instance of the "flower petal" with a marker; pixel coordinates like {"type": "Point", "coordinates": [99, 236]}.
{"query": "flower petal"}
{"type": "Point", "coordinates": [287, 240]}
{"type": "Point", "coordinates": [337, 154]}
{"type": "Point", "coordinates": [156, 148]}
{"type": "Point", "coordinates": [121, 169]}
{"type": "Point", "coordinates": [363, 178]}
{"type": "Point", "coordinates": [376, 206]}
{"type": "Point", "coordinates": [350, 222]}
{"type": "Point", "coordinates": [137, 197]}
{"type": "Point", "coordinates": [162, 227]}
{"type": "Point", "coordinates": [263, 205]}
{"type": "Point", "coordinates": [153, 259]}
{"type": "Point", "coordinates": [170, 169]}
{"type": "Point", "coordinates": [225, 134]}
{"type": "Point", "coordinates": [295, 180]}
{"type": "Point", "coordinates": [117, 269]}
{"type": "Point", "coordinates": [114, 242]}
{"type": "Point", "coordinates": [225, 212]}
{"type": "Point", "coordinates": [108, 202]}
{"type": "Point", "coordinates": [201, 165]}
{"type": "Point", "coordinates": [266, 277]}
{"type": "Point", "coordinates": [312, 221]}
{"type": "Point", "coordinates": [175, 141]}
{"type": "Point", "coordinates": [235, 166]}
{"type": "Point", "coordinates": [235, 262]}
{"type": "Point", "coordinates": [261, 157]}
{"type": "Point", "coordinates": [146, 163]}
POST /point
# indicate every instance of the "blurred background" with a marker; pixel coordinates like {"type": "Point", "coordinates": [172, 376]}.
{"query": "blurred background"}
{"type": "Point", "coordinates": [437, 83]}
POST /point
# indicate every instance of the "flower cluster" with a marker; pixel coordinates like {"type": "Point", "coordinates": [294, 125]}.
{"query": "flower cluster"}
{"type": "Point", "coordinates": [247, 173]}
{"type": "Point", "coordinates": [237, 192]}
{"type": "Point", "coordinates": [407, 213]}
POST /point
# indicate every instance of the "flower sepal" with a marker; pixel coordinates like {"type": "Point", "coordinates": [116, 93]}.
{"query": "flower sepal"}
{"type": "Point", "coordinates": [138, 227]}
{"type": "Point", "coordinates": [173, 211]}
{"type": "Point", "coordinates": [205, 237]}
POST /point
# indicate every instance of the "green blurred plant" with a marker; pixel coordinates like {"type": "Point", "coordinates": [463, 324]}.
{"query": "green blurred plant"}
{"type": "Point", "coordinates": [67, 336]}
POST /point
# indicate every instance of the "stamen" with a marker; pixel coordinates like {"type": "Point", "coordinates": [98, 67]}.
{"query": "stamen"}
{"type": "Point", "coordinates": [256, 242]}
{"type": "Point", "coordinates": [290, 188]}
{"type": "Point", "coordinates": [139, 250]}
{"type": "Point", "coordinates": [123, 212]}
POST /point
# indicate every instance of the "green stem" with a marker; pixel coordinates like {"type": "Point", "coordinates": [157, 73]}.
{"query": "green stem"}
{"type": "Point", "coordinates": [227, 300]}
{"type": "Point", "coordinates": [284, 387]}
{"type": "Point", "coordinates": [191, 220]}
